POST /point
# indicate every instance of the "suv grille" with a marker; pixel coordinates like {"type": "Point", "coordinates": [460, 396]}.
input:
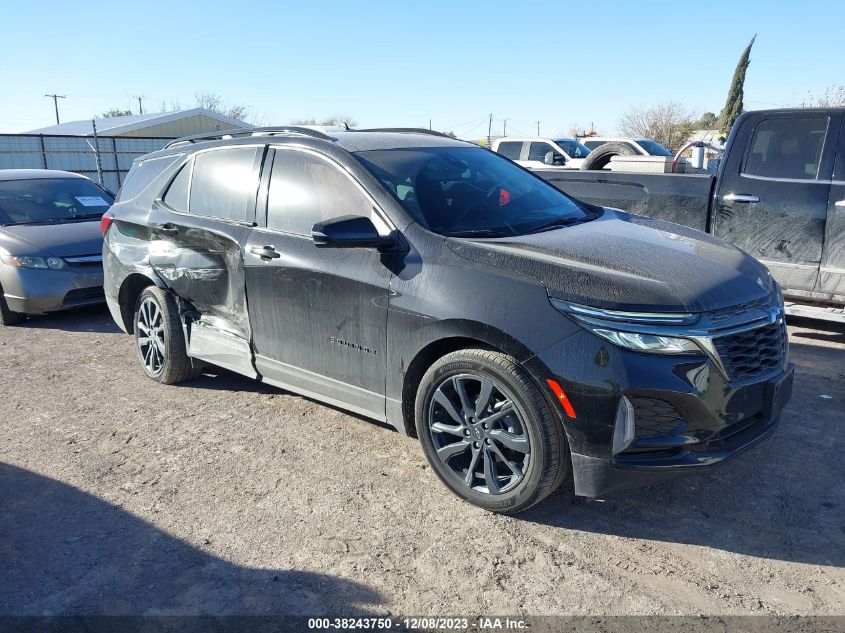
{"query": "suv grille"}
{"type": "Point", "coordinates": [754, 352]}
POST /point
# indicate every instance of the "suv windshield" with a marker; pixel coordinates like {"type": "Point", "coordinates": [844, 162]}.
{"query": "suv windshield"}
{"type": "Point", "coordinates": [573, 148]}
{"type": "Point", "coordinates": [51, 200]}
{"type": "Point", "coordinates": [466, 191]}
{"type": "Point", "coordinates": [653, 147]}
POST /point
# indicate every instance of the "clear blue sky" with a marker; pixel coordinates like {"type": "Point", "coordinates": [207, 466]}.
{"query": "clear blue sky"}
{"type": "Point", "coordinates": [400, 63]}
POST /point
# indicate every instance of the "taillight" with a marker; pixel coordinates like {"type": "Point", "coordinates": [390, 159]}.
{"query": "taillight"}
{"type": "Point", "coordinates": [105, 222]}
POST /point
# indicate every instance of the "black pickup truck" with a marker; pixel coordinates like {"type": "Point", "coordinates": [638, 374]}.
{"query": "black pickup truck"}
{"type": "Point", "coordinates": [779, 195]}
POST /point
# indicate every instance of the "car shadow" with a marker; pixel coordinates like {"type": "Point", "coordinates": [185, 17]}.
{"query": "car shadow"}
{"type": "Point", "coordinates": [95, 318]}
{"type": "Point", "coordinates": [783, 499]}
{"type": "Point", "coordinates": [66, 552]}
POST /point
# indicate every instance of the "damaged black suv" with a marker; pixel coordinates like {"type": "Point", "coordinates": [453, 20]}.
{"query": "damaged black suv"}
{"type": "Point", "coordinates": [520, 334]}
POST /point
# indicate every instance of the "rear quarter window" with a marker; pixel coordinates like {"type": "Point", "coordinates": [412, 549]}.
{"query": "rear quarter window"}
{"type": "Point", "coordinates": [142, 174]}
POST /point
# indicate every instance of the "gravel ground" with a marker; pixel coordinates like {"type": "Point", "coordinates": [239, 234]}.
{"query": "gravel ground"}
{"type": "Point", "coordinates": [225, 496]}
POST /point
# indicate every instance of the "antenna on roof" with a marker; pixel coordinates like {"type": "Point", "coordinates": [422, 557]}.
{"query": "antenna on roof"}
{"type": "Point", "coordinates": [346, 125]}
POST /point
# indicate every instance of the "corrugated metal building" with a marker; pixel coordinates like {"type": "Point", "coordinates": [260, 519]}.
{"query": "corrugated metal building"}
{"type": "Point", "coordinates": [72, 147]}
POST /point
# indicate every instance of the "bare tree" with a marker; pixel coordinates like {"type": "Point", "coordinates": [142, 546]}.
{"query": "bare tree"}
{"type": "Point", "coordinates": [339, 119]}
{"type": "Point", "coordinates": [214, 102]}
{"type": "Point", "coordinates": [668, 123]}
{"type": "Point", "coordinates": [833, 96]}
{"type": "Point", "coordinates": [115, 112]}
{"type": "Point", "coordinates": [336, 119]}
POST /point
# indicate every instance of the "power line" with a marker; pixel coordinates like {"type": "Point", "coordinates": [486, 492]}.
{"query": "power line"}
{"type": "Point", "coordinates": [55, 99]}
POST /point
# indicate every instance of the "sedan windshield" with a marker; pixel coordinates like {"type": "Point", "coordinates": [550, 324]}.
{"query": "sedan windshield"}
{"type": "Point", "coordinates": [51, 200]}
{"type": "Point", "coordinates": [470, 191]}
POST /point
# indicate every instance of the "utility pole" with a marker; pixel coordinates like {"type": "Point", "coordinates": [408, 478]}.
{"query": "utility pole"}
{"type": "Point", "coordinates": [429, 125]}
{"type": "Point", "coordinates": [538, 128]}
{"type": "Point", "coordinates": [490, 131]}
{"type": "Point", "coordinates": [97, 153]}
{"type": "Point", "coordinates": [140, 105]}
{"type": "Point", "coordinates": [55, 99]}
{"type": "Point", "coordinates": [504, 127]}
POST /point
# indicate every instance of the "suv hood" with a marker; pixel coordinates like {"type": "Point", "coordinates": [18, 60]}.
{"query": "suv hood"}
{"type": "Point", "coordinates": [627, 262]}
{"type": "Point", "coordinates": [71, 239]}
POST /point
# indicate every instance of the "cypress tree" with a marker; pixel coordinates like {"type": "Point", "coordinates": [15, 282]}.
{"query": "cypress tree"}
{"type": "Point", "coordinates": [733, 106]}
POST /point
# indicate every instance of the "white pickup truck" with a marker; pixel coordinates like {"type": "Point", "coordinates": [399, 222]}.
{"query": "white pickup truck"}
{"type": "Point", "coordinates": [535, 151]}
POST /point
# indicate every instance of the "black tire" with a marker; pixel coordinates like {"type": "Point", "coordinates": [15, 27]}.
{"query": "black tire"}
{"type": "Point", "coordinates": [600, 157]}
{"type": "Point", "coordinates": [8, 317]}
{"type": "Point", "coordinates": [174, 365]}
{"type": "Point", "coordinates": [529, 418]}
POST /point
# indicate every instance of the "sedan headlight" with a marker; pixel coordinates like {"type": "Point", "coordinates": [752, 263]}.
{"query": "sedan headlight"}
{"type": "Point", "coordinates": [33, 262]}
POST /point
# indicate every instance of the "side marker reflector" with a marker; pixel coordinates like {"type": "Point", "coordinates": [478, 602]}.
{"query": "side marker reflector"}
{"type": "Point", "coordinates": [561, 396]}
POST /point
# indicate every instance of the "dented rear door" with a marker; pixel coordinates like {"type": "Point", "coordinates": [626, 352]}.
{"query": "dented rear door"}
{"type": "Point", "coordinates": [199, 229]}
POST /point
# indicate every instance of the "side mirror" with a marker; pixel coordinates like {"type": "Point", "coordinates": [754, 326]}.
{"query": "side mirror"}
{"type": "Point", "coordinates": [553, 158]}
{"type": "Point", "coordinates": [349, 231]}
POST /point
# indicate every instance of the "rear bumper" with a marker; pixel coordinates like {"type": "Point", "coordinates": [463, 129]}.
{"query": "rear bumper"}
{"type": "Point", "coordinates": [39, 291]}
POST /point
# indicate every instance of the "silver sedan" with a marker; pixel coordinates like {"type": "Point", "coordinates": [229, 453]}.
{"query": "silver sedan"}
{"type": "Point", "coordinates": [50, 242]}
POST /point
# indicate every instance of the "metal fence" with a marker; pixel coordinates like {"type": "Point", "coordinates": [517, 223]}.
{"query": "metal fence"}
{"type": "Point", "coordinates": [78, 154]}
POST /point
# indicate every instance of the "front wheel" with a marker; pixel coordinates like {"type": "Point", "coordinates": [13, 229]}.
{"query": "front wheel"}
{"type": "Point", "coordinates": [159, 339]}
{"type": "Point", "coordinates": [488, 432]}
{"type": "Point", "coordinates": [8, 317]}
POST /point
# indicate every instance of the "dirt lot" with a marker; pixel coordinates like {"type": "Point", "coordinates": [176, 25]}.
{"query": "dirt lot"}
{"type": "Point", "coordinates": [122, 496]}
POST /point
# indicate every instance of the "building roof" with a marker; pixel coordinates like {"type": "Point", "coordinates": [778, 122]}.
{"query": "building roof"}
{"type": "Point", "coordinates": [117, 125]}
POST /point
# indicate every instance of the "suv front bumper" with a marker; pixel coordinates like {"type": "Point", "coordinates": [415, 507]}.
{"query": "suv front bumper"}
{"type": "Point", "coordinates": [688, 416]}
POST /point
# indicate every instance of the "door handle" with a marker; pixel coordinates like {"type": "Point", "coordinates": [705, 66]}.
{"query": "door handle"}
{"type": "Point", "coordinates": [165, 229]}
{"type": "Point", "coordinates": [265, 252]}
{"type": "Point", "coordinates": [740, 197]}
{"type": "Point", "coordinates": [839, 203]}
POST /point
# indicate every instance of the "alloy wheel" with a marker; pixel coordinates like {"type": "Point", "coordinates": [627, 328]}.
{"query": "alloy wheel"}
{"type": "Point", "coordinates": [479, 433]}
{"type": "Point", "coordinates": [150, 326]}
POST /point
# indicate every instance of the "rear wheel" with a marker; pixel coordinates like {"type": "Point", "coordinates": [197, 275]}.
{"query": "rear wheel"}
{"type": "Point", "coordinates": [159, 339]}
{"type": "Point", "coordinates": [8, 317]}
{"type": "Point", "coordinates": [488, 432]}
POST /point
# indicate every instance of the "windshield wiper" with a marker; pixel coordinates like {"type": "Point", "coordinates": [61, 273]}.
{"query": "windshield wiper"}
{"type": "Point", "coordinates": [480, 233]}
{"type": "Point", "coordinates": [558, 223]}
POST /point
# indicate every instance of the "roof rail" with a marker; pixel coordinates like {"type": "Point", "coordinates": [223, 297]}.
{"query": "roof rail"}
{"type": "Point", "coordinates": [406, 130]}
{"type": "Point", "coordinates": [252, 131]}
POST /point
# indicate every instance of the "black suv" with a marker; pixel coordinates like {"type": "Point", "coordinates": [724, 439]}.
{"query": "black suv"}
{"type": "Point", "coordinates": [520, 334]}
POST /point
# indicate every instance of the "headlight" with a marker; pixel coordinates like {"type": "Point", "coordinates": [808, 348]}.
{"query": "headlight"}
{"type": "Point", "coordinates": [620, 328]}
{"type": "Point", "coordinates": [33, 262]}
{"type": "Point", "coordinates": [649, 342]}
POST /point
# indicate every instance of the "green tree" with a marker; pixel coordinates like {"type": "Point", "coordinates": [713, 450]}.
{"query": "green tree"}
{"type": "Point", "coordinates": [734, 106]}
{"type": "Point", "coordinates": [115, 112]}
{"type": "Point", "coordinates": [706, 121]}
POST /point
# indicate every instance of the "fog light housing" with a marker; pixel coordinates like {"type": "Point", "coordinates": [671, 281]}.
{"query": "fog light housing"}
{"type": "Point", "coordinates": [623, 428]}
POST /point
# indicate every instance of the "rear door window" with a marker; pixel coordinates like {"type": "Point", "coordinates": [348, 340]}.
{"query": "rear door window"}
{"type": "Point", "coordinates": [787, 147]}
{"type": "Point", "coordinates": [510, 149]}
{"type": "Point", "coordinates": [224, 183]}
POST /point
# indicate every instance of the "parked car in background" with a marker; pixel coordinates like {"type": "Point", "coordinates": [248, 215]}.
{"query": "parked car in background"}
{"type": "Point", "coordinates": [50, 242]}
{"type": "Point", "coordinates": [521, 335]}
{"type": "Point", "coordinates": [638, 146]}
{"type": "Point", "coordinates": [779, 195]}
{"type": "Point", "coordinates": [530, 151]}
